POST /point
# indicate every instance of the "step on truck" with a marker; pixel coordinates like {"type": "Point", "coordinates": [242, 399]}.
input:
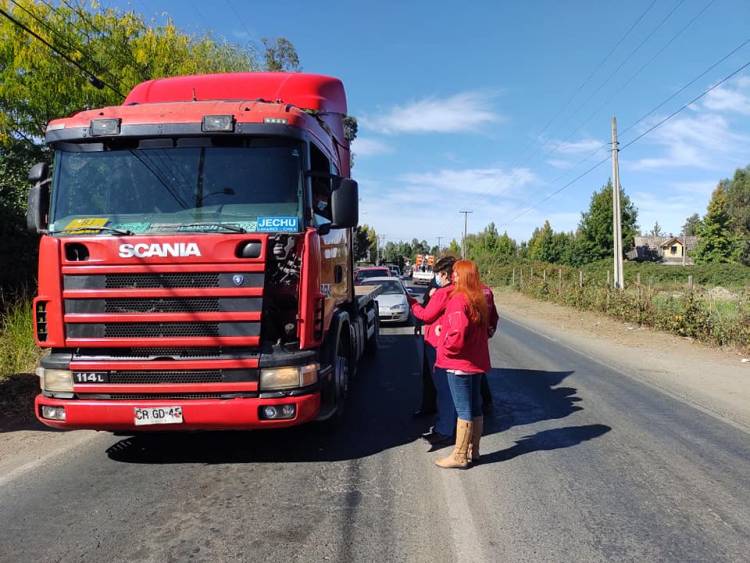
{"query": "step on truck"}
{"type": "Point", "coordinates": [195, 263]}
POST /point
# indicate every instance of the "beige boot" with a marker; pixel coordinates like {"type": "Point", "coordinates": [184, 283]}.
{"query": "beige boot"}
{"type": "Point", "coordinates": [476, 435]}
{"type": "Point", "coordinates": [459, 458]}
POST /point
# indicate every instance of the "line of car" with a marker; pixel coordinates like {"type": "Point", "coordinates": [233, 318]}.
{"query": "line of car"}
{"type": "Point", "coordinates": [393, 305]}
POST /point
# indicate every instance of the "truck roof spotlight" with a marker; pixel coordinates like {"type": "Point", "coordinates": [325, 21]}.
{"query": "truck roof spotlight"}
{"type": "Point", "coordinates": [218, 123]}
{"type": "Point", "coordinates": [101, 127]}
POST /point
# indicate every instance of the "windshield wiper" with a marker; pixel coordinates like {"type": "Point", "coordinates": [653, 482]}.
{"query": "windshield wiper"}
{"type": "Point", "coordinates": [232, 228]}
{"type": "Point", "coordinates": [82, 231]}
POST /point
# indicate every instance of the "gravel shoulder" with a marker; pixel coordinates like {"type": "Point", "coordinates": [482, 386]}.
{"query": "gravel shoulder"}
{"type": "Point", "coordinates": [715, 380]}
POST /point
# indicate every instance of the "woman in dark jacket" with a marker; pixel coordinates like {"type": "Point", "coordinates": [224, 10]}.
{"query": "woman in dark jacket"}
{"type": "Point", "coordinates": [463, 352]}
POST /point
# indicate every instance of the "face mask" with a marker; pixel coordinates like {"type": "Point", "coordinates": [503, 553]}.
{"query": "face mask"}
{"type": "Point", "coordinates": [439, 280]}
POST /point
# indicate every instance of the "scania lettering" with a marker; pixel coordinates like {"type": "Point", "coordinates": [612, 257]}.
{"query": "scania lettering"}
{"type": "Point", "coordinates": [195, 261]}
{"type": "Point", "coordinates": [144, 250]}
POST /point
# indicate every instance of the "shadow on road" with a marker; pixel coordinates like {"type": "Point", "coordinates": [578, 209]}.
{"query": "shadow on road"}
{"type": "Point", "coordinates": [378, 418]}
{"type": "Point", "coordinates": [524, 396]}
{"type": "Point", "coordinates": [554, 439]}
{"type": "Point", "coordinates": [17, 393]}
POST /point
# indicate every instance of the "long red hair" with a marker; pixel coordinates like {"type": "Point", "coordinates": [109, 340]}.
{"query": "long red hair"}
{"type": "Point", "coordinates": [467, 282]}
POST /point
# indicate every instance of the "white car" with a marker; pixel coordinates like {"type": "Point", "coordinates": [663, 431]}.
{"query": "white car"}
{"type": "Point", "coordinates": [392, 303]}
{"type": "Point", "coordinates": [422, 276]}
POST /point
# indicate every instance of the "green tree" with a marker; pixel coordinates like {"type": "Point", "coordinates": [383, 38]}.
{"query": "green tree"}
{"type": "Point", "coordinates": [362, 243]}
{"type": "Point", "coordinates": [280, 55]}
{"type": "Point", "coordinates": [692, 223]}
{"type": "Point", "coordinates": [717, 243]}
{"type": "Point", "coordinates": [656, 230]}
{"type": "Point", "coordinates": [738, 200]}
{"type": "Point", "coordinates": [454, 249]}
{"type": "Point", "coordinates": [595, 228]}
{"type": "Point", "coordinates": [506, 246]}
{"type": "Point", "coordinates": [120, 48]}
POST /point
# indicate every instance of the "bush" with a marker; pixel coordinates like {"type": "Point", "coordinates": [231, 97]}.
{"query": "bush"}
{"type": "Point", "coordinates": [663, 302]}
{"type": "Point", "coordinates": [18, 351]}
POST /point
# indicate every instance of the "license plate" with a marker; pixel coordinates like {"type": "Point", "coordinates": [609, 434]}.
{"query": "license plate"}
{"type": "Point", "coordinates": [157, 415]}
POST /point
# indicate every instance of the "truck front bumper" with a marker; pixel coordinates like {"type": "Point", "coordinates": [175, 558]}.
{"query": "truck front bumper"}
{"type": "Point", "coordinates": [198, 414]}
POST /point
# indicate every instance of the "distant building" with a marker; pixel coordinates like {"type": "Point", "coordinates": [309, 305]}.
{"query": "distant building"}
{"type": "Point", "coordinates": [663, 249]}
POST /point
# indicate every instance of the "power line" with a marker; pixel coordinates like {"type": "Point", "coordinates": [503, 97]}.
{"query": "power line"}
{"type": "Point", "coordinates": [688, 104]}
{"type": "Point", "coordinates": [649, 130]}
{"type": "Point", "coordinates": [627, 82]}
{"type": "Point", "coordinates": [587, 79]}
{"type": "Point", "coordinates": [93, 79]}
{"type": "Point", "coordinates": [693, 81]}
{"type": "Point", "coordinates": [629, 56]}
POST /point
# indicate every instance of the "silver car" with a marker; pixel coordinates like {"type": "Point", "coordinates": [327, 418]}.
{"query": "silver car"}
{"type": "Point", "coordinates": [392, 303]}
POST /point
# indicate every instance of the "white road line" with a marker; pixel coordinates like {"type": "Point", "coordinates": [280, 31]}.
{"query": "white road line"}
{"type": "Point", "coordinates": [466, 541]}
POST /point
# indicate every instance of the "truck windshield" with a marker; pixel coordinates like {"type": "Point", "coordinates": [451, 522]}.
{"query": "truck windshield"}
{"type": "Point", "coordinates": [200, 189]}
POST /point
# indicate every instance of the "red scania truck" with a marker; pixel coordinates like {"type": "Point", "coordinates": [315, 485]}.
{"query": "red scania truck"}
{"type": "Point", "coordinates": [195, 264]}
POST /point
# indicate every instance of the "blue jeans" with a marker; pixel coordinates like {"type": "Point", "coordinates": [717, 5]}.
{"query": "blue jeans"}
{"type": "Point", "coordinates": [445, 421]}
{"type": "Point", "coordinates": [467, 394]}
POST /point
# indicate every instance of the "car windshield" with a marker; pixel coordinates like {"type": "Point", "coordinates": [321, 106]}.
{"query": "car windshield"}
{"type": "Point", "coordinates": [389, 287]}
{"type": "Point", "coordinates": [256, 188]}
{"type": "Point", "coordinates": [362, 274]}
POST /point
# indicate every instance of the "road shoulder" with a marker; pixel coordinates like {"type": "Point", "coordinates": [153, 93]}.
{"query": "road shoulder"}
{"type": "Point", "coordinates": [715, 380]}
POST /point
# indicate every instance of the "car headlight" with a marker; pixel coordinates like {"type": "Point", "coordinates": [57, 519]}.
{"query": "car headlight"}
{"type": "Point", "coordinates": [56, 380]}
{"type": "Point", "coordinates": [288, 377]}
{"type": "Point", "coordinates": [400, 307]}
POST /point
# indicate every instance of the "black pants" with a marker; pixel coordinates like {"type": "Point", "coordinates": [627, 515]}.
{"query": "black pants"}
{"type": "Point", "coordinates": [429, 393]}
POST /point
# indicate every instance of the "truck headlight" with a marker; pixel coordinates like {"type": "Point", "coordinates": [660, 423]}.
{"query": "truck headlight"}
{"type": "Point", "coordinates": [56, 380]}
{"type": "Point", "coordinates": [288, 377]}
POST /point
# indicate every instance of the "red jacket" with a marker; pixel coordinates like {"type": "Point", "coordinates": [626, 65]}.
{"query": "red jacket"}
{"type": "Point", "coordinates": [462, 345]}
{"type": "Point", "coordinates": [432, 313]}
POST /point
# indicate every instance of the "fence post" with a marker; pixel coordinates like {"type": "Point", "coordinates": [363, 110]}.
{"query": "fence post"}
{"type": "Point", "coordinates": [559, 280]}
{"type": "Point", "coordinates": [690, 282]}
{"type": "Point", "coordinates": [609, 281]}
{"type": "Point", "coordinates": [513, 279]}
{"type": "Point", "coordinates": [531, 274]}
{"type": "Point", "coordinates": [544, 275]}
{"type": "Point", "coordinates": [638, 278]}
{"type": "Point", "coordinates": [520, 278]}
{"type": "Point", "coordinates": [580, 278]}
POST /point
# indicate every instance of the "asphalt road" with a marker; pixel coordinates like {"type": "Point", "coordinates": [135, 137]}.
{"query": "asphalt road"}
{"type": "Point", "coordinates": [580, 463]}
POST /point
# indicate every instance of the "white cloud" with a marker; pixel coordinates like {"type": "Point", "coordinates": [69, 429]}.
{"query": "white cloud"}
{"type": "Point", "coordinates": [363, 147]}
{"type": "Point", "coordinates": [465, 111]}
{"type": "Point", "coordinates": [698, 141]}
{"type": "Point", "coordinates": [487, 181]}
{"type": "Point", "coordinates": [734, 98]}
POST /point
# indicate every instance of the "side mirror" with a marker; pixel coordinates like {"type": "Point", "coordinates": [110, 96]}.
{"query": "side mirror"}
{"type": "Point", "coordinates": [38, 172]}
{"type": "Point", "coordinates": [38, 207]}
{"type": "Point", "coordinates": [345, 203]}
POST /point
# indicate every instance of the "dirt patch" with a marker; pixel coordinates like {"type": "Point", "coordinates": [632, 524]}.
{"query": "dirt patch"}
{"type": "Point", "coordinates": [17, 394]}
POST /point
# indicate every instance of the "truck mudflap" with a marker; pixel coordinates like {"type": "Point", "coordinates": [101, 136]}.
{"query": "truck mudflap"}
{"type": "Point", "coordinates": [197, 414]}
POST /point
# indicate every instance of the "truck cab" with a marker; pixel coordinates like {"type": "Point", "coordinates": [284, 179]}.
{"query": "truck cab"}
{"type": "Point", "coordinates": [195, 264]}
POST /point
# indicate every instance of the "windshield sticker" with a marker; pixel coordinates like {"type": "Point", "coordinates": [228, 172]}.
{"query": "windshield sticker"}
{"type": "Point", "coordinates": [83, 225]}
{"type": "Point", "coordinates": [278, 224]}
{"type": "Point", "coordinates": [132, 227]}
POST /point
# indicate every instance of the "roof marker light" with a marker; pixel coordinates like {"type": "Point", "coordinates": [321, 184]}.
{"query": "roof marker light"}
{"type": "Point", "coordinates": [218, 123]}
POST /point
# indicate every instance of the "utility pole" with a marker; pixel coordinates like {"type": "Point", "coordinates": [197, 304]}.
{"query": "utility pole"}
{"type": "Point", "coordinates": [466, 226]}
{"type": "Point", "coordinates": [377, 263]}
{"type": "Point", "coordinates": [439, 247]}
{"type": "Point", "coordinates": [616, 211]}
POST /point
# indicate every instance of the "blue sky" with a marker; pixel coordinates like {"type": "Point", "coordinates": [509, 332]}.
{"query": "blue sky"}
{"type": "Point", "coordinates": [453, 100]}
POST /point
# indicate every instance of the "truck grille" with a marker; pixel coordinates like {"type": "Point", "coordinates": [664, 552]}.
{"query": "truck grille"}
{"type": "Point", "coordinates": [158, 396]}
{"type": "Point", "coordinates": [152, 377]}
{"type": "Point", "coordinates": [159, 330]}
{"type": "Point", "coordinates": [163, 302]}
{"type": "Point", "coordinates": [139, 281]}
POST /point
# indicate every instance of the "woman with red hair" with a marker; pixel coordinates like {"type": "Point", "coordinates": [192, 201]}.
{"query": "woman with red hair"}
{"type": "Point", "coordinates": [463, 352]}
